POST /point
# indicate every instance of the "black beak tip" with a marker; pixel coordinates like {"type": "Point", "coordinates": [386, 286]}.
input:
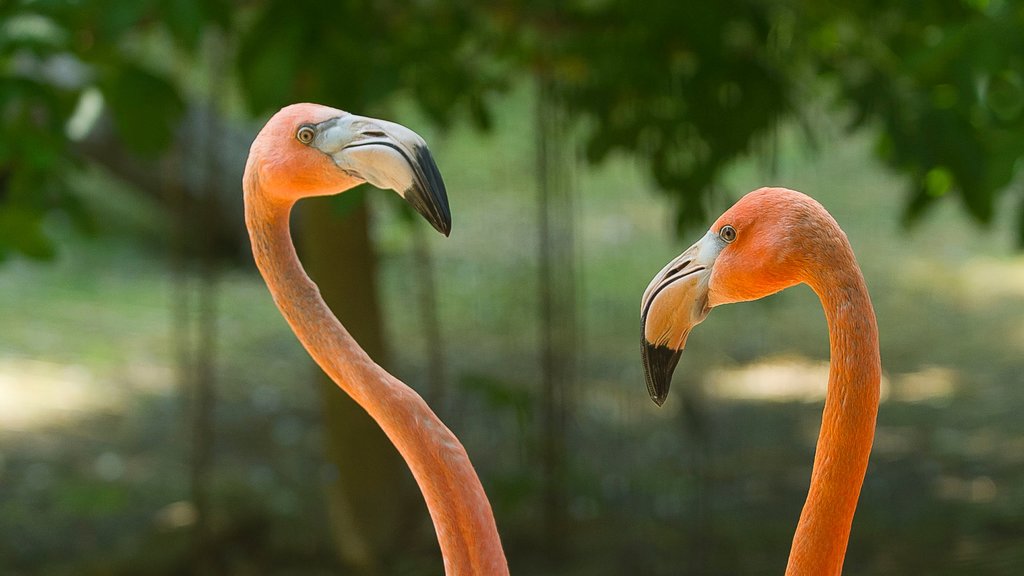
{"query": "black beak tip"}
{"type": "Point", "coordinates": [659, 364]}
{"type": "Point", "coordinates": [428, 194]}
{"type": "Point", "coordinates": [445, 226]}
{"type": "Point", "coordinates": [440, 220]}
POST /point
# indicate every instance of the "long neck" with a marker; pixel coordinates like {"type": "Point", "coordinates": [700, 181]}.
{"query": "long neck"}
{"type": "Point", "coordinates": [848, 421]}
{"type": "Point", "coordinates": [458, 506]}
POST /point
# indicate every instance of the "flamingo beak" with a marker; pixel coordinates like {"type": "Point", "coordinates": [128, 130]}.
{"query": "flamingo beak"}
{"type": "Point", "coordinates": [675, 301]}
{"type": "Point", "coordinates": [389, 156]}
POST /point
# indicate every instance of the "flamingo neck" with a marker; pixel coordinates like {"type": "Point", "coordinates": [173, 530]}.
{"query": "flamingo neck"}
{"type": "Point", "coordinates": [456, 500]}
{"type": "Point", "coordinates": [848, 420]}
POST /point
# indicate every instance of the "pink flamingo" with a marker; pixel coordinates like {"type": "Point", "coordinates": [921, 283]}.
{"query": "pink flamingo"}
{"type": "Point", "coordinates": [311, 150]}
{"type": "Point", "coordinates": [772, 239]}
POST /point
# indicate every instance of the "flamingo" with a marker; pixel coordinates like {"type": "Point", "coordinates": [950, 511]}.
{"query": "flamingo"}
{"type": "Point", "coordinates": [312, 150]}
{"type": "Point", "coordinates": [771, 239]}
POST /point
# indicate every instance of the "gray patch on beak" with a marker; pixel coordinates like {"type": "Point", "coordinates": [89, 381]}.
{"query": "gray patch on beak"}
{"type": "Point", "coordinates": [389, 156]}
{"type": "Point", "coordinates": [678, 297]}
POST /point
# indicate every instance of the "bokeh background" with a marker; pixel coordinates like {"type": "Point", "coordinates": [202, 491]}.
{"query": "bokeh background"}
{"type": "Point", "coordinates": [158, 417]}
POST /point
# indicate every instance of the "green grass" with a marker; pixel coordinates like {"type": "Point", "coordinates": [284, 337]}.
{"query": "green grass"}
{"type": "Point", "coordinates": [704, 485]}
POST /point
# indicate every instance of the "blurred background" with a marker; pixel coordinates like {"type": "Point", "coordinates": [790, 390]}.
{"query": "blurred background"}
{"type": "Point", "coordinates": [158, 417]}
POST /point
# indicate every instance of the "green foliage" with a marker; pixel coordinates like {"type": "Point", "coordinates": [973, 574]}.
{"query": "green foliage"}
{"type": "Point", "coordinates": [51, 53]}
{"type": "Point", "coordinates": [363, 53]}
{"type": "Point", "coordinates": [32, 164]}
{"type": "Point", "coordinates": [145, 107]}
{"type": "Point", "coordinates": [187, 19]}
{"type": "Point", "coordinates": [944, 80]}
{"type": "Point", "coordinates": [686, 89]}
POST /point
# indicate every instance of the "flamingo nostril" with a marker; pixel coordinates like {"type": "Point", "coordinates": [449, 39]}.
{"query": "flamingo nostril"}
{"type": "Point", "coordinates": [677, 269]}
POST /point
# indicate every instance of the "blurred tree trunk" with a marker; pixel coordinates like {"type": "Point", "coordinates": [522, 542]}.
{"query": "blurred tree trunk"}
{"type": "Point", "coordinates": [557, 306]}
{"type": "Point", "coordinates": [372, 488]}
{"type": "Point", "coordinates": [423, 259]}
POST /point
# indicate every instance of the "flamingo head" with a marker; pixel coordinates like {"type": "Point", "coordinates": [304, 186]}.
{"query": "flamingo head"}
{"type": "Point", "coordinates": [313, 150]}
{"type": "Point", "coordinates": [769, 240]}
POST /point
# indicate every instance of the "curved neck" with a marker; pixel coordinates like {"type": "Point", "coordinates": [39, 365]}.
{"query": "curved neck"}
{"type": "Point", "coordinates": [458, 506]}
{"type": "Point", "coordinates": [848, 421]}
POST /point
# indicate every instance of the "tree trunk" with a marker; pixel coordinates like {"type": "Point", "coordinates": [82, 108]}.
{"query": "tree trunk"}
{"type": "Point", "coordinates": [370, 493]}
{"type": "Point", "coordinates": [557, 255]}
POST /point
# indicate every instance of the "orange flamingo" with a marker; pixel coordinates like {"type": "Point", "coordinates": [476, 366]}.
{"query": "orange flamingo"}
{"type": "Point", "coordinates": [772, 239]}
{"type": "Point", "coordinates": [311, 150]}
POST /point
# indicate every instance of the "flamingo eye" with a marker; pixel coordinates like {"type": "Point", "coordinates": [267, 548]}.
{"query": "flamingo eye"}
{"type": "Point", "coordinates": [727, 233]}
{"type": "Point", "coordinates": [305, 134]}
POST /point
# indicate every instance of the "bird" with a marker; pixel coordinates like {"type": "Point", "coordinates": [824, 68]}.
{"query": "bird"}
{"type": "Point", "coordinates": [769, 240]}
{"type": "Point", "coordinates": [309, 150]}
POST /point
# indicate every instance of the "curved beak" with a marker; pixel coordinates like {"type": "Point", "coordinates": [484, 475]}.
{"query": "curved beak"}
{"type": "Point", "coordinates": [675, 301]}
{"type": "Point", "coordinates": [389, 156]}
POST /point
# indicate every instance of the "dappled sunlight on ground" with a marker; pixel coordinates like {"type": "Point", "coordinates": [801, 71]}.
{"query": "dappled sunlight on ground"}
{"type": "Point", "coordinates": [977, 281]}
{"type": "Point", "coordinates": [35, 393]}
{"type": "Point", "coordinates": [796, 379]}
{"type": "Point", "coordinates": [980, 490]}
{"type": "Point", "coordinates": [930, 383]}
{"type": "Point", "coordinates": [987, 277]}
{"type": "Point", "coordinates": [785, 379]}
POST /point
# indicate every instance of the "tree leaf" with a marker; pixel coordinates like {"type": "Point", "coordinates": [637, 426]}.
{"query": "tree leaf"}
{"type": "Point", "coordinates": [186, 20]}
{"type": "Point", "coordinates": [145, 107]}
{"type": "Point", "coordinates": [21, 231]}
{"type": "Point", "coordinates": [267, 61]}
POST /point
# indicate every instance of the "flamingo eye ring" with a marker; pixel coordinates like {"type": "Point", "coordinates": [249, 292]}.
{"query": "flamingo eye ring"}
{"type": "Point", "coordinates": [727, 233]}
{"type": "Point", "coordinates": [305, 134]}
